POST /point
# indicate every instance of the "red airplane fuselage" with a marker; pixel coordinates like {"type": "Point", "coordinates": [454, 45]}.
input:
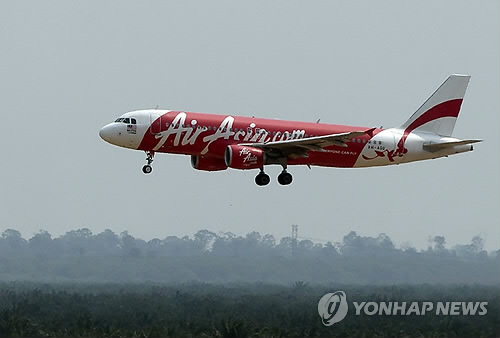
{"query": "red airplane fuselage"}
{"type": "Point", "coordinates": [209, 135]}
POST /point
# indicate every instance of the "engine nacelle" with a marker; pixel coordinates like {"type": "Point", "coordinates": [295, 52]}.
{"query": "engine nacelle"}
{"type": "Point", "coordinates": [243, 157]}
{"type": "Point", "coordinates": [207, 163]}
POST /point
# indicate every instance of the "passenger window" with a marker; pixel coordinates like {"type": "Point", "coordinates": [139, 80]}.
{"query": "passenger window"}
{"type": "Point", "coordinates": [133, 121]}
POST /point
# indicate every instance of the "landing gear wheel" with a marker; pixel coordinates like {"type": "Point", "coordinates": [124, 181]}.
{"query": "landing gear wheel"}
{"type": "Point", "coordinates": [262, 179]}
{"type": "Point", "coordinates": [285, 178]}
{"type": "Point", "coordinates": [147, 169]}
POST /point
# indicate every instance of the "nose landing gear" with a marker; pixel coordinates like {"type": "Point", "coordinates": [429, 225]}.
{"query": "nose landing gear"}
{"type": "Point", "coordinates": [147, 169]}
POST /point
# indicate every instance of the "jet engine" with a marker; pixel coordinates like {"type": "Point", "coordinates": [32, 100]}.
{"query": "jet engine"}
{"type": "Point", "coordinates": [207, 163]}
{"type": "Point", "coordinates": [243, 157]}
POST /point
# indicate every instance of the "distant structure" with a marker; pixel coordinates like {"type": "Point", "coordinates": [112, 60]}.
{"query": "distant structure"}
{"type": "Point", "coordinates": [295, 233]}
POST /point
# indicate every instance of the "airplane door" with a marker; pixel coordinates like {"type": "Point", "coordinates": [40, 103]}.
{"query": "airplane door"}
{"type": "Point", "coordinates": [155, 123]}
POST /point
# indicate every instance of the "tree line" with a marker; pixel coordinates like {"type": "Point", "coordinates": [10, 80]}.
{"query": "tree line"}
{"type": "Point", "coordinates": [83, 242]}
{"type": "Point", "coordinates": [225, 257]}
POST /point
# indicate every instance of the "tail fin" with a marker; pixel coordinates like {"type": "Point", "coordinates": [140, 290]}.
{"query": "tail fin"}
{"type": "Point", "coordinates": [439, 113]}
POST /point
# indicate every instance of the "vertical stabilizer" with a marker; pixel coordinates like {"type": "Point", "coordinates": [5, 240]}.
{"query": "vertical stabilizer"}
{"type": "Point", "coordinates": [440, 112]}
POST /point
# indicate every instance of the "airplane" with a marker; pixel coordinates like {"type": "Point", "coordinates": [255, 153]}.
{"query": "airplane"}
{"type": "Point", "coordinates": [218, 142]}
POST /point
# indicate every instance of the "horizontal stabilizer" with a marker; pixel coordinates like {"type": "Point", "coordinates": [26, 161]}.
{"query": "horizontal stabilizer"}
{"type": "Point", "coordinates": [444, 145]}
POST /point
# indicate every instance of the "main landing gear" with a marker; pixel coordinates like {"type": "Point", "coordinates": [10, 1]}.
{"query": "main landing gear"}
{"type": "Point", "coordinates": [285, 178]}
{"type": "Point", "coordinates": [147, 169]}
{"type": "Point", "coordinates": [262, 178]}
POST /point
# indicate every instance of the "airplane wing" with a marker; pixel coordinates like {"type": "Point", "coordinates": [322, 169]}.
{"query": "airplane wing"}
{"type": "Point", "coordinates": [438, 146]}
{"type": "Point", "coordinates": [300, 147]}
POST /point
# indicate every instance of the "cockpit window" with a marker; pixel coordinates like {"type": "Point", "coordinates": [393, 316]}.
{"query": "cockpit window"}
{"type": "Point", "coordinates": [126, 120]}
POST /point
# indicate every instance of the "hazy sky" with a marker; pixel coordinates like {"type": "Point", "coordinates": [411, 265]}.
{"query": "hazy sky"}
{"type": "Point", "coordinates": [67, 68]}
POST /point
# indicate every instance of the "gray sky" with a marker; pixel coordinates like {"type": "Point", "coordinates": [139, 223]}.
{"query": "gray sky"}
{"type": "Point", "coordinates": [67, 68]}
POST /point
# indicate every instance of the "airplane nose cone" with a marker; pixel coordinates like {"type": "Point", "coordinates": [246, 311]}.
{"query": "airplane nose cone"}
{"type": "Point", "coordinates": [106, 133]}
